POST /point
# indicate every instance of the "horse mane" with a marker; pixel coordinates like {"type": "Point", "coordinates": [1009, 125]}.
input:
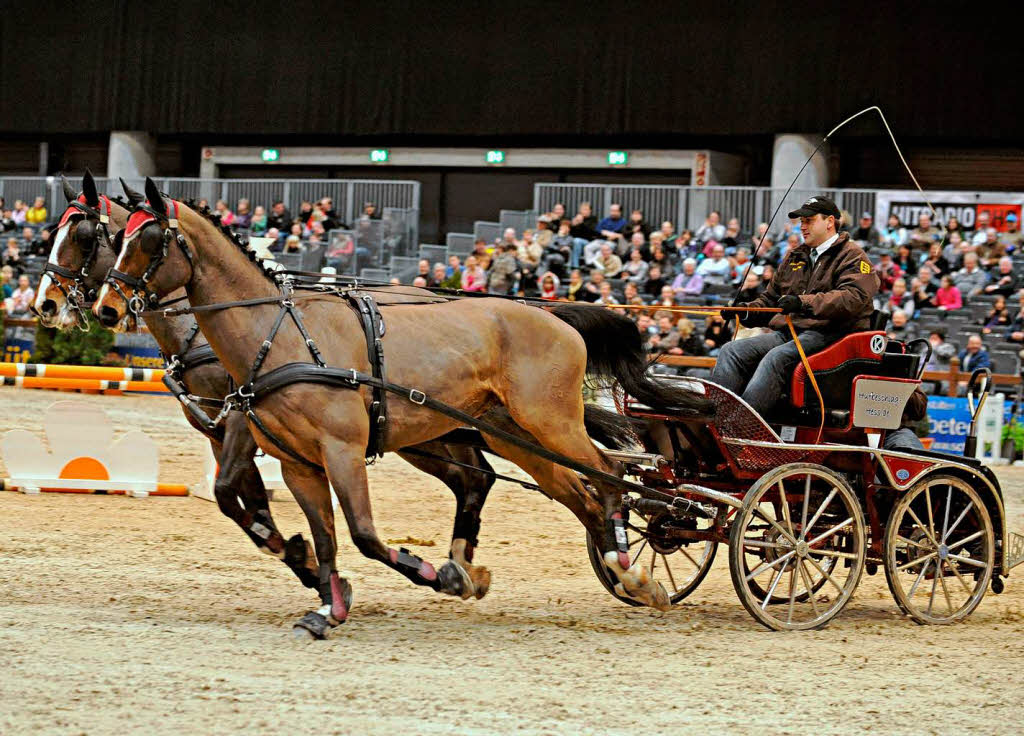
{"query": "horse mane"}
{"type": "Point", "coordinates": [243, 245]}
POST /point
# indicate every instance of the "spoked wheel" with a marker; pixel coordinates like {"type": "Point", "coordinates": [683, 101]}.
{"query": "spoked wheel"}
{"type": "Point", "coordinates": [797, 547]}
{"type": "Point", "coordinates": [677, 564]}
{"type": "Point", "coordinates": [939, 551]}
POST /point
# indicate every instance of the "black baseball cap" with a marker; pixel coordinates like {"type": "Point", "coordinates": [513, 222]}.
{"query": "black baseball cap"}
{"type": "Point", "coordinates": [817, 205]}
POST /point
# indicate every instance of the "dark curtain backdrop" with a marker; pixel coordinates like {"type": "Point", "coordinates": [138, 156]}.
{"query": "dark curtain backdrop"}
{"type": "Point", "coordinates": [507, 68]}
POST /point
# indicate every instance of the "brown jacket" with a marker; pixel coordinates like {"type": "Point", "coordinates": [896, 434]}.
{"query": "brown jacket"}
{"type": "Point", "coordinates": [837, 294]}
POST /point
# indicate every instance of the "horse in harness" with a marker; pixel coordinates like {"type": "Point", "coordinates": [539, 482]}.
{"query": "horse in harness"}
{"type": "Point", "coordinates": [509, 370]}
{"type": "Point", "coordinates": [82, 254]}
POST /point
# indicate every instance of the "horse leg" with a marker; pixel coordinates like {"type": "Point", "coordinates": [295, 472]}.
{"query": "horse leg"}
{"type": "Point", "coordinates": [309, 487]}
{"type": "Point", "coordinates": [470, 489]}
{"type": "Point", "coordinates": [239, 478]}
{"type": "Point", "coordinates": [552, 424]}
{"type": "Point", "coordinates": [347, 472]}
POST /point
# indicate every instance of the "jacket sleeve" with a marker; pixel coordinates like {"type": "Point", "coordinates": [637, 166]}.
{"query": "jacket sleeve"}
{"type": "Point", "coordinates": [856, 284]}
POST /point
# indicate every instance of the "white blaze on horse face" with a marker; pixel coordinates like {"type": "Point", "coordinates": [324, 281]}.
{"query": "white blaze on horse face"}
{"type": "Point", "coordinates": [105, 289]}
{"type": "Point", "coordinates": [46, 282]}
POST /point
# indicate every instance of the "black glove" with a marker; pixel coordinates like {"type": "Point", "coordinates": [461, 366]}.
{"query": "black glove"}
{"type": "Point", "coordinates": [790, 304]}
{"type": "Point", "coordinates": [752, 319]}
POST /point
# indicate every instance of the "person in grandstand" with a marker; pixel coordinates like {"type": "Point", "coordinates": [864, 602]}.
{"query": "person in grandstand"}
{"type": "Point", "coordinates": [825, 286]}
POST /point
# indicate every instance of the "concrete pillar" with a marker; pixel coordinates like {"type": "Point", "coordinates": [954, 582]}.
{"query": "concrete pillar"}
{"type": "Point", "coordinates": [132, 154]}
{"type": "Point", "coordinates": [789, 154]}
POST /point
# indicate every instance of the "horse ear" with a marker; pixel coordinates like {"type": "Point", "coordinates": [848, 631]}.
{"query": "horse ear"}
{"type": "Point", "coordinates": [153, 194]}
{"type": "Point", "coordinates": [69, 194]}
{"type": "Point", "coordinates": [92, 197]}
{"type": "Point", "coordinates": [133, 196]}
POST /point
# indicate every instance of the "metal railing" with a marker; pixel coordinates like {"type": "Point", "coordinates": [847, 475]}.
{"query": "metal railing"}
{"type": "Point", "coordinates": [348, 195]}
{"type": "Point", "coordinates": [688, 206]}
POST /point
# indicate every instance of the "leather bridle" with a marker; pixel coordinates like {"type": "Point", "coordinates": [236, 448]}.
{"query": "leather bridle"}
{"type": "Point", "coordinates": [140, 284]}
{"type": "Point", "coordinates": [74, 290]}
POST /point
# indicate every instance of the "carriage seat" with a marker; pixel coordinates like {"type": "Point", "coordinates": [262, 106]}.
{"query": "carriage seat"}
{"type": "Point", "coordinates": [835, 367]}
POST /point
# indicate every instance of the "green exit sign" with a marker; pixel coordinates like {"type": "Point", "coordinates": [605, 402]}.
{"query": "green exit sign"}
{"type": "Point", "coordinates": [495, 157]}
{"type": "Point", "coordinates": [617, 158]}
{"type": "Point", "coordinates": [270, 155]}
{"type": "Point", "coordinates": [379, 156]}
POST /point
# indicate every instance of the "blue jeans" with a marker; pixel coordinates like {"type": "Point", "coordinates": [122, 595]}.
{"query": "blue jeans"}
{"type": "Point", "coordinates": [760, 368]}
{"type": "Point", "coordinates": [577, 250]}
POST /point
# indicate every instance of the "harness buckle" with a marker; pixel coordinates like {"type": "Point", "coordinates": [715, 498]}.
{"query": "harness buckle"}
{"type": "Point", "coordinates": [287, 303]}
{"type": "Point", "coordinates": [243, 395]}
{"type": "Point", "coordinates": [417, 397]}
{"type": "Point", "coordinates": [136, 305]}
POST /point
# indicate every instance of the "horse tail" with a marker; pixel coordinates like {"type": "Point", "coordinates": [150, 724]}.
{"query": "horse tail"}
{"type": "Point", "coordinates": [614, 350]}
{"type": "Point", "coordinates": [611, 429]}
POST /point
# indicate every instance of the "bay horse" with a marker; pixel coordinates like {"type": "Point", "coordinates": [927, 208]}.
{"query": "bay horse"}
{"type": "Point", "coordinates": [82, 254]}
{"type": "Point", "coordinates": [513, 364]}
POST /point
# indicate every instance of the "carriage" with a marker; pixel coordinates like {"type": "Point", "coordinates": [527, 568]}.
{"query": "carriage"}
{"type": "Point", "coordinates": [808, 501]}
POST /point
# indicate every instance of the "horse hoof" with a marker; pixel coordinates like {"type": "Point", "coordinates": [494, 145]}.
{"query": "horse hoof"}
{"type": "Point", "coordinates": [314, 624]}
{"type": "Point", "coordinates": [454, 580]}
{"type": "Point", "coordinates": [301, 634]}
{"type": "Point", "coordinates": [481, 578]}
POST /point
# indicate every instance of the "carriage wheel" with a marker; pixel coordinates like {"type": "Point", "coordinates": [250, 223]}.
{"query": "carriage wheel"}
{"type": "Point", "coordinates": [679, 567]}
{"type": "Point", "coordinates": [802, 529]}
{"type": "Point", "coordinates": [939, 551]}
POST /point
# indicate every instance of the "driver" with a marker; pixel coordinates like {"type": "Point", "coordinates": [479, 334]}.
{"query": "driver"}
{"type": "Point", "coordinates": [826, 285]}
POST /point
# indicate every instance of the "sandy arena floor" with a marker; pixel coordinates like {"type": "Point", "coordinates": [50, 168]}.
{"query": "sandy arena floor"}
{"type": "Point", "coordinates": [158, 616]}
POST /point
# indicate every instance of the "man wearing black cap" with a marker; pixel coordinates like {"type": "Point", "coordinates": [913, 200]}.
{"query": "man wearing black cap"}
{"type": "Point", "coordinates": [826, 286]}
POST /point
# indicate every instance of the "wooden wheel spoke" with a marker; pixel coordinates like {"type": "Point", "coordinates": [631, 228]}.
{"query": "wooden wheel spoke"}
{"type": "Point", "coordinates": [917, 560]}
{"type": "Point", "coordinates": [935, 585]}
{"type": "Point", "coordinates": [945, 515]}
{"type": "Point", "coordinates": [821, 537]}
{"type": "Point", "coordinates": [689, 557]}
{"type": "Point", "coordinates": [968, 561]}
{"type": "Point", "coordinates": [775, 583]}
{"type": "Point", "coordinates": [810, 587]}
{"type": "Point", "coordinates": [834, 553]}
{"type": "Point", "coordinates": [792, 593]}
{"type": "Point", "coordinates": [768, 565]}
{"type": "Point", "coordinates": [826, 574]}
{"type": "Point", "coordinates": [785, 509]}
{"type": "Point", "coordinates": [922, 527]}
{"type": "Point", "coordinates": [965, 540]}
{"type": "Point", "coordinates": [820, 511]}
{"type": "Point", "coordinates": [638, 553]}
{"type": "Point", "coordinates": [668, 570]}
{"type": "Point", "coordinates": [960, 518]}
{"type": "Point", "coordinates": [912, 542]}
{"type": "Point", "coordinates": [807, 498]}
{"type": "Point", "coordinates": [920, 577]}
{"type": "Point", "coordinates": [775, 525]}
{"type": "Point", "coordinates": [945, 589]}
{"type": "Point", "coordinates": [931, 514]}
{"type": "Point", "coordinates": [956, 571]}
{"type": "Point", "coordinates": [764, 544]}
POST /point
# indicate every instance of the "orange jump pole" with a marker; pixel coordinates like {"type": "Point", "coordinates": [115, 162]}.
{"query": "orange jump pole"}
{"type": "Point", "coordinates": [84, 383]}
{"type": "Point", "coordinates": [96, 373]}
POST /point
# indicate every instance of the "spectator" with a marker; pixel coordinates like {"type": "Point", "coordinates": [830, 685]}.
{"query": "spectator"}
{"type": "Point", "coordinates": [575, 290]}
{"type": "Point", "coordinates": [36, 214]}
{"type": "Point", "coordinates": [636, 242]}
{"type": "Point", "coordinates": [947, 296]}
{"type": "Point", "coordinates": [631, 296]}
{"type": "Point", "coordinates": [453, 280]}
{"type": "Point", "coordinates": [1005, 281]}
{"type": "Point", "coordinates": [765, 246]}
{"type": "Point", "coordinates": [419, 282]}
{"type": "Point", "coordinates": [712, 229]}
{"type": "Point", "coordinates": [635, 269]}
{"type": "Point", "coordinates": [437, 275]}
{"type": "Point", "coordinates": [454, 266]}
{"type": "Point", "coordinates": [660, 259]}
{"type": "Point", "coordinates": [504, 270]}
{"type": "Point", "coordinates": [7, 222]}
{"type": "Point", "coordinates": [716, 269]}
{"type": "Point", "coordinates": [227, 218]}
{"type": "Point", "coordinates": [732, 236]}
{"type": "Point", "coordinates": [611, 228]}
{"type": "Point", "coordinates": [556, 216]}
{"type": "Point", "coordinates": [609, 264]}
{"type": "Point", "coordinates": [789, 229]}
{"type": "Point", "coordinates": [370, 211]}
{"type": "Point", "coordinates": [655, 282]}
{"type": "Point", "coordinates": [942, 354]}
{"type": "Point", "coordinates": [7, 281]}
{"type": "Point", "coordinates": [777, 254]}
{"type": "Point", "coordinates": [866, 234]}
{"type": "Point", "coordinates": [40, 245]}
{"type": "Point", "coordinates": [935, 259]}
{"type": "Point", "coordinates": [953, 226]}
{"type": "Point", "coordinates": [243, 214]}
{"type": "Point", "coordinates": [591, 290]}
{"type": "Point", "coordinates": [1012, 235]}
{"type": "Point", "coordinates": [258, 222]}
{"type": "Point", "coordinates": [689, 282]}
{"type": "Point", "coordinates": [668, 231]}
{"type": "Point", "coordinates": [549, 286]}
{"type": "Point", "coordinates": [998, 318]}
{"type": "Point", "coordinates": [753, 285]}
{"type": "Point", "coordinates": [717, 332]}
{"type": "Point", "coordinates": [887, 271]}
{"type": "Point", "coordinates": [20, 300]}
{"type": "Point", "coordinates": [559, 254]}
{"type": "Point", "coordinates": [767, 274]}
{"type": "Point", "coordinates": [923, 287]}
{"type": "Point", "coordinates": [990, 250]}
{"type": "Point", "coordinates": [974, 356]}
{"type": "Point", "coordinates": [689, 342]}
{"type": "Point", "coordinates": [19, 213]}
{"type": "Point", "coordinates": [666, 341]}
{"type": "Point", "coordinates": [636, 224]}
{"type": "Point", "coordinates": [305, 212]}
{"type": "Point", "coordinates": [423, 270]}
{"type": "Point", "coordinates": [292, 244]}
{"type": "Point", "coordinates": [739, 262]}
{"type": "Point", "coordinates": [684, 247]}
{"type": "Point", "coordinates": [647, 329]}
{"type": "Point", "coordinates": [666, 298]}
{"type": "Point", "coordinates": [12, 256]}
{"type": "Point", "coordinates": [898, 298]}
{"type": "Point", "coordinates": [924, 234]}
{"type": "Point", "coordinates": [970, 279]}
{"type": "Point", "coordinates": [655, 242]}
{"type": "Point", "coordinates": [583, 229]}
{"type": "Point", "coordinates": [1015, 331]}
{"type": "Point", "coordinates": [905, 260]}
{"type": "Point", "coordinates": [543, 236]}
{"type": "Point", "coordinates": [529, 254]}
{"type": "Point", "coordinates": [955, 251]}
{"type": "Point", "coordinates": [605, 296]}
{"type": "Point", "coordinates": [901, 328]}
{"type": "Point", "coordinates": [980, 228]}
{"type": "Point", "coordinates": [474, 278]}
{"type": "Point", "coordinates": [894, 233]}
{"type": "Point", "coordinates": [279, 217]}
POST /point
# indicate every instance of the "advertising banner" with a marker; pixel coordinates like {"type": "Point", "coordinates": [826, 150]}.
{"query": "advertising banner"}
{"type": "Point", "coordinates": [965, 206]}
